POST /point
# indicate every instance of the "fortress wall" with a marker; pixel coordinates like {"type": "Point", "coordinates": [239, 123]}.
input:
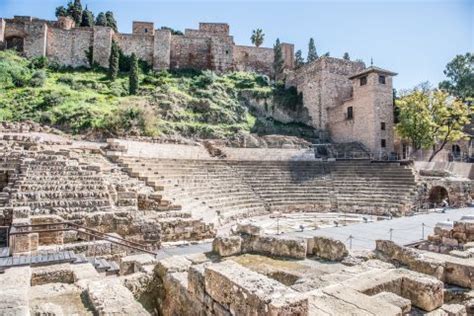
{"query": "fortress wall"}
{"type": "Point", "coordinates": [324, 84]}
{"type": "Point", "coordinates": [257, 59]}
{"type": "Point", "coordinates": [221, 52]}
{"type": "Point", "coordinates": [13, 28]}
{"type": "Point", "coordinates": [215, 28]}
{"type": "Point", "coordinates": [141, 45]}
{"type": "Point", "coordinates": [69, 47]}
{"type": "Point", "coordinates": [190, 52]}
{"type": "Point", "coordinates": [161, 49]}
{"type": "Point", "coordinates": [35, 43]}
{"type": "Point", "coordinates": [102, 45]}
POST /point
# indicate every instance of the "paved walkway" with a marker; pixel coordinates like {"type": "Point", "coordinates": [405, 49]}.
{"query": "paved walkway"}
{"type": "Point", "coordinates": [405, 230]}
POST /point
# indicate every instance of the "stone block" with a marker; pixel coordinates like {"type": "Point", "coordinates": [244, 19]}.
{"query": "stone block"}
{"type": "Point", "coordinates": [59, 273]}
{"type": "Point", "coordinates": [275, 246]}
{"type": "Point", "coordinates": [134, 263]}
{"type": "Point", "coordinates": [227, 246]}
{"type": "Point", "coordinates": [454, 309]}
{"type": "Point", "coordinates": [245, 292]}
{"type": "Point", "coordinates": [328, 248]}
{"type": "Point", "coordinates": [249, 229]}
{"type": "Point", "coordinates": [172, 264]}
{"type": "Point", "coordinates": [394, 299]}
{"type": "Point", "coordinates": [423, 291]}
{"type": "Point", "coordinates": [15, 283]}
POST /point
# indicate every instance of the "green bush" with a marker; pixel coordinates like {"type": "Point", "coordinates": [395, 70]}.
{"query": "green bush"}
{"type": "Point", "coordinates": [38, 79]}
{"type": "Point", "coordinates": [53, 98]}
{"type": "Point", "coordinates": [40, 62]}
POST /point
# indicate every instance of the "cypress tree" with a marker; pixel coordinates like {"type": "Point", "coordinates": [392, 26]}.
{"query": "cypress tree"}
{"type": "Point", "coordinates": [346, 56]}
{"type": "Point", "coordinates": [101, 20]}
{"type": "Point", "coordinates": [87, 18]}
{"type": "Point", "coordinates": [114, 61]}
{"type": "Point", "coordinates": [299, 60]}
{"type": "Point", "coordinates": [277, 59]}
{"type": "Point", "coordinates": [312, 53]}
{"type": "Point", "coordinates": [109, 16]}
{"type": "Point", "coordinates": [133, 80]}
{"type": "Point", "coordinates": [74, 10]}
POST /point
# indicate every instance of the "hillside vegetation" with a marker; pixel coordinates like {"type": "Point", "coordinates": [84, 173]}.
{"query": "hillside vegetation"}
{"type": "Point", "coordinates": [198, 104]}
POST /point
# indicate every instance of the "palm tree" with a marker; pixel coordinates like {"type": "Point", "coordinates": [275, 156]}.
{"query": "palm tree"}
{"type": "Point", "coordinates": [257, 37]}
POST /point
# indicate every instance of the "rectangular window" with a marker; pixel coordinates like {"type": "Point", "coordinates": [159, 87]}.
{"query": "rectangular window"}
{"type": "Point", "coordinates": [382, 126]}
{"type": "Point", "coordinates": [382, 79]}
{"type": "Point", "coordinates": [363, 81]}
{"type": "Point", "coordinates": [349, 114]}
{"type": "Point", "coordinates": [383, 143]}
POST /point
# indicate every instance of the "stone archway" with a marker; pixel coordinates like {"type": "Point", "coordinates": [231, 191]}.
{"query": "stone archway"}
{"type": "Point", "coordinates": [437, 195]}
{"type": "Point", "coordinates": [14, 42]}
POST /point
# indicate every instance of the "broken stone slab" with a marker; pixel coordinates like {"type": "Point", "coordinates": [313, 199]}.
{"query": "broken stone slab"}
{"type": "Point", "coordinates": [227, 246]}
{"type": "Point", "coordinates": [328, 248]}
{"type": "Point", "coordinates": [134, 263]}
{"type": "Point", "coordinates": [423, 291]}
{"type": "Point", "coordinates": [111, 297]}
{"type": "Point", "coordinates": [394, 299]}
{"type": "Point", "coordinates": [245, 292]}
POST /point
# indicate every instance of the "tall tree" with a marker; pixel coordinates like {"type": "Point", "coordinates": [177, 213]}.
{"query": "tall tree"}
{"type": "Point", "coordinates": [312, 53]}
{"type": "Point", "coordinates": [133, 79]}
{"type": "Point", "coordinates": [61, 11]}
{"type": "Point", "coordinates": [114, 61]}
{"type": "Point", "coordinates": [87, 18]}
{"type": "Point", "coordinates": [299, 60]}
{"type": "Point", "coordinates": [431, 119]}
{"type": "Point", "coordinates": [101, 20]}
{"type": "Point", "coordinates": [74, 10]}
{"type": "Point", "coordinates": [109, 15]}
{"type": "Point", "coordinates": [346, 56]}
{"type": "Point", "coordinates": [278, 61]}
{"type": "Point", "coordinates": [460, 73]}
{"type": "Point", "coordinates": [257, 37]}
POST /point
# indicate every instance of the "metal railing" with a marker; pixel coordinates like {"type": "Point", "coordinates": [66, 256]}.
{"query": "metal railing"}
{"type": "Point", "coordinates": [26, 229]}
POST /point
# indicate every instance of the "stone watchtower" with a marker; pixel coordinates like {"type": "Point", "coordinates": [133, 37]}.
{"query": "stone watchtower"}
{"type": "Point", "coordinates": [368, 115]}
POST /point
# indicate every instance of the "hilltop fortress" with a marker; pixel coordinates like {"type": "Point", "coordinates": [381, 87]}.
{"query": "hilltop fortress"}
{"type": "Point", "coordinates": [344, 98]}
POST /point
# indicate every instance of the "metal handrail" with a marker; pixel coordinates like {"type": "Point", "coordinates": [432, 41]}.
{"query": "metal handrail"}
{"type": "Point", "coordinates": [80, 229]}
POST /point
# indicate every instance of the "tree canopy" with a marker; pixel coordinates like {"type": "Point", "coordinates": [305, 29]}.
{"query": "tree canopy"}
{"type": "Point", "coordinates": [133, 79]}
{"type": "Point", "coordinates": [257, 37]}
{"type": "Point", "coordinates": [431, 119]}
{"type": "Point", "coordinates": [101, 20]}
{"type": "Point", "coordinates": [460, 73]}
{"type": "Point", "coordinates": [346, 56]}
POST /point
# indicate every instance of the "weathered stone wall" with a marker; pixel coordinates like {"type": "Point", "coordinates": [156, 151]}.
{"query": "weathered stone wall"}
{"type": "Point", "coordinates": [187, 52]}
{"type": "Point", "coordinates": [143, 28]}
{"type": "Point", "coordinates": [102, 45]}
{"type": "Point", "coordinates": [161, 49]}
{"type": "Point", "coordinates": [140, 44]}
{"type": "Point", "coordinates": [69, 47]}
{"type": "Point", "coordinates": [324, 84]}
{"type": "Point", "coordinates": [215, 28]}
{"type": "Point", "coordinates": [249, 58]}
{"type": "Point", "coordinates": [221, 53]}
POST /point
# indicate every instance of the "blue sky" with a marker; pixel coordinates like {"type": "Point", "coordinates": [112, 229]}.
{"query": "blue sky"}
{"type": "Point", "coordinates": [414, 38]}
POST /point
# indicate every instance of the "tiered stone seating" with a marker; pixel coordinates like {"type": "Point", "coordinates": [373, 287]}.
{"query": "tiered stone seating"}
{"type": "Point", "coordinates": [287, 185]}
{"type": "Point", "coordinates": [380, 188]}
{"type": "Point", "coordinates": [52, 182]}
{"type": "Point", "coordinates": [235, 188]}
{"type": "Point", "coordinates": [260, 154]}
{"type": "Point", "coordinates": [204, 187]}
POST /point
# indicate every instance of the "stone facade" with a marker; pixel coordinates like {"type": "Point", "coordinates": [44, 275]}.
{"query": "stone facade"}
{"type": "Point", "coordinates": [351, 102]}
{"type": "Point", "coordinates": [209, 47]}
